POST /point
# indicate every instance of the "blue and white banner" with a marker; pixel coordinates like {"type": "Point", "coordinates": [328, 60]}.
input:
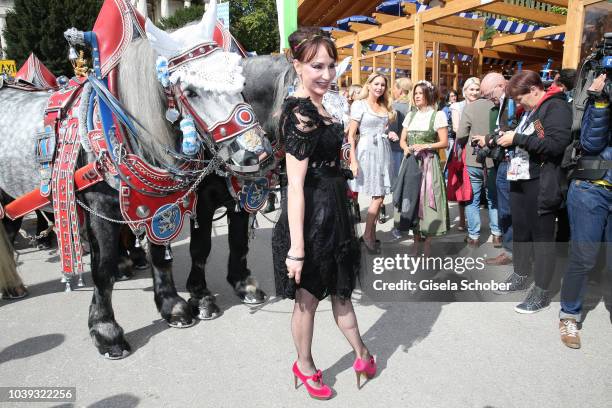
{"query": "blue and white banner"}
{"type": "Point", "coordinates": [223, 14]}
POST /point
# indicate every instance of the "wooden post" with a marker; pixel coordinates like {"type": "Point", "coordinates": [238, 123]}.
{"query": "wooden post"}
{"type": "Point", "coordinates": [573, 37]}
{"type": "Point", "coordinates": [418, 50]}
{"type": "Point", "coordinates": [435, 69]}
{"type": "Point", "coordinates": [477, 56]}
{"type": "Point", "coordinates": [456, 74]}
{"type": "Point", "coordinates": [392, 70]}
{"type": "Point", "coordinates": [356, 70]}
{"type": "Point", "coordinates": [373, 65]}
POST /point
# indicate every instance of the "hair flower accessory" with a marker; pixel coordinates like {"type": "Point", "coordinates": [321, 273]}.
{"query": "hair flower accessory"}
{"type": "Point", "coordinates": [426, 83]}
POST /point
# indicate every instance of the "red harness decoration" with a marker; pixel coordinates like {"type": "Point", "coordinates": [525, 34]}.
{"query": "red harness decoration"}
{"type": "Point", "coordinates": [66, 125]}
{"type": "Point", "coordinates": [114, 28]}
{"type": "Point", "coordinates": [161, 215]}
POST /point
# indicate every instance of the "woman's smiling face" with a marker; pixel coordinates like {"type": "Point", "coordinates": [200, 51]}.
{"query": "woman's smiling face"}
{"type": "Point", "coordinates": [317, 74]}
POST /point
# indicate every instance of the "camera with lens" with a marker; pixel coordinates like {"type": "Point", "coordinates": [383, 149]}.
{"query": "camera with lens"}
{"type": "Point", "coordinates": [600, 62]}
{"type": "Point", "coordinates": [490, 150]}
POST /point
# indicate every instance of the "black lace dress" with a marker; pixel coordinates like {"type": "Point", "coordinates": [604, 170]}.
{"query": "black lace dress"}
{"type": "Point", "coordinates": [331, 249]}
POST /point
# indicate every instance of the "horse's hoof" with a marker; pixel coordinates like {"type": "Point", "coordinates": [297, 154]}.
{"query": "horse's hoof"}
{"type": "Point", "coordinates": [206, 308]}
{"type": "Point", "coordinates": [43, 245]}
{"type": "Point", "coordinates": [249, 293]}
{"type": "Point", "coordinates": [207, 314]}
{"type": "Point", "coordinates": [256, 298]}
{"type": "Point", "coordinates": [180, 322]}
{"type": "Point", "coordinates": [115, 356]}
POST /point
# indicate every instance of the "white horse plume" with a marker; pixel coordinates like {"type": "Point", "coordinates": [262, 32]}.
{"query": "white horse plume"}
{"type": "Point", "coordinates": [170, 45]}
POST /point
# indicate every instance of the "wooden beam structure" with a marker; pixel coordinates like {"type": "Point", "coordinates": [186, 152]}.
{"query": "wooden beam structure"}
{"type": "Point", "coordinates": [435, 70]}
{"type": "Point", "coordinates": [418, 50]}
{"type": "Point", "coordinates": [524, 13]}
{"type": "Point", "coordinates": [517, 38]}
{"type": "Point", "coordinates": [440, 27]}
{"type": "Point", "coordinates": [455, 7]}
{"type": "Point", "coordinates": [573, 39]}
{"type": "Point", "coordinates": [356, 63]}
{"type": "Point", "coordinates": [433, 14]}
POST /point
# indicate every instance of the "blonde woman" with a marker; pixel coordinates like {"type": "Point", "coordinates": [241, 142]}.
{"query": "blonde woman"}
{"type": "Point", "coordinates": [470, 92]}
{"type": "Point", "coordinates": [371, 159]}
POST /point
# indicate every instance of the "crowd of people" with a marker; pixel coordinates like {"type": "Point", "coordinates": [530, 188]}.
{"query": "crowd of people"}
{"type": "Point", "coordinates": [505, 142]}
{"type": "Point", "coordinates": [507, 139]}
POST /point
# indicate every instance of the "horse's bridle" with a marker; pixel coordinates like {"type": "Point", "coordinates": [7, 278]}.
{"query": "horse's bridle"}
{"type": "Point", "coordinates": [240, 121]}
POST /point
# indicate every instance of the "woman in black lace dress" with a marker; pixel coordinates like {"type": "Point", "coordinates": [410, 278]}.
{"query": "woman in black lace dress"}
{"type": "Point", "coordinates": [315, 250]}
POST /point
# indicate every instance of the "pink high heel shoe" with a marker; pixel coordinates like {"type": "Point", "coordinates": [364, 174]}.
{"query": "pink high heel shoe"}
{"type": "Point", "coordinates": [323, 393]}
{"type": "Point", "coordinates": [366, 368]}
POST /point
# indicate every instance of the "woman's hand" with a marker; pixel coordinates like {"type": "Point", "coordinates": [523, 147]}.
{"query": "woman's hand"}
{"type": "Point", "coordinates": [354, 167]}
{"type": "Point", "coordinates": [416, 148]}
{"type": "Point", "coordinates": [393, 136]}
{"type": "Point", "coordinates": [407, 151]}
{"type": "Point", "coordinates": [598, 84]}
{"type": "Point", "coordinates": [294, 268]}
{"type": "Point", "coordinates": [507, 139]}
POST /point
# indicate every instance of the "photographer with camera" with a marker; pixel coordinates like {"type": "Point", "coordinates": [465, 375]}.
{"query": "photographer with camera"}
{"type": "Point", "coordinates": [589, 201]}
{"type": "Point", "coordinates": [536, 184]}
{"type": "Point", "coordinates": [479, 118]}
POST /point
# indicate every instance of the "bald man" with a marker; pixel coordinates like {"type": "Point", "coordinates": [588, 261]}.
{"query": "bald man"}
{"type": "Point", "coordinates": [478, 119]}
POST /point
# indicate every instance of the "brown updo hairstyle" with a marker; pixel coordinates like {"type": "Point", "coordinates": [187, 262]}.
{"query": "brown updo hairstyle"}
{"type": "Point", "coordinates": [304, 44]}
{"type": "Point", "coordinates": [430, 93]}
{"type": "Point", "coordinates": [521, 83]}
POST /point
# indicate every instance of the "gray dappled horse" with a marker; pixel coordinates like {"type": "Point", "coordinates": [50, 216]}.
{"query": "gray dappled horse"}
{"type": "Point", "coordinates": [267, 82]}
{"type": "Point", "coordinates": [142, 96]}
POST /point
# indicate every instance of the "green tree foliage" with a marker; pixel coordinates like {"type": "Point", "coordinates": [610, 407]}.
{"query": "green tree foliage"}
{"type": "Point", "coordinates": [254, 23]}
{"type": "Point", "coordinates": [182, 17]}
{"type": "Point", "coordinates": [38, 26]}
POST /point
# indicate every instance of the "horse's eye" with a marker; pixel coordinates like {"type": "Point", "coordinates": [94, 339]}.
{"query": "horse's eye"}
{"type": "Point", "coordinates": [189, 93]}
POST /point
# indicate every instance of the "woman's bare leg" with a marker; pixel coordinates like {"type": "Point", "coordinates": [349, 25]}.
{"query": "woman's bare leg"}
{"type": "Point", "coordinates": [373, 210]}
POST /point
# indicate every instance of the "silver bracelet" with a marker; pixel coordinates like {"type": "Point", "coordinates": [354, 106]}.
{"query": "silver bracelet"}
{"type": "Point", "coordinates": [295, 258]}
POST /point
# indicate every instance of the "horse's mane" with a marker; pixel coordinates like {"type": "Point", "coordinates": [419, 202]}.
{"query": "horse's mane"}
{"type": "Point", "coordinates": [267, 86]}
{"type": "Point", "coordinates": [142, 96]}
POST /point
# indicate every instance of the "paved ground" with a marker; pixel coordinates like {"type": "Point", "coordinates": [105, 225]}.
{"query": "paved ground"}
{"type": "Point", "coordinates": [430, 354]}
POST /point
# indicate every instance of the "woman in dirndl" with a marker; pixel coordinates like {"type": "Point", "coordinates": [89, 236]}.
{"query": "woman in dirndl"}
{"type": "Point", "coordinates": [424, 132]}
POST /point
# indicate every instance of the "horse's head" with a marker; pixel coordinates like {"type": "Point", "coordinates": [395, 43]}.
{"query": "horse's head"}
{"type": "Point", "coordinates": [204, 85]}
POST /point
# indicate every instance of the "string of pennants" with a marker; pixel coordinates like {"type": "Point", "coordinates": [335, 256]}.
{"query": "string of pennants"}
{"type": "Point", "coordinates": [394, 7]}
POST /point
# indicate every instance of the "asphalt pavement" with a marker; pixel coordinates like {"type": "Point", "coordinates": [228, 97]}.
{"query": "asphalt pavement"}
{"type": "Point", "coordinates": [432, 351]}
